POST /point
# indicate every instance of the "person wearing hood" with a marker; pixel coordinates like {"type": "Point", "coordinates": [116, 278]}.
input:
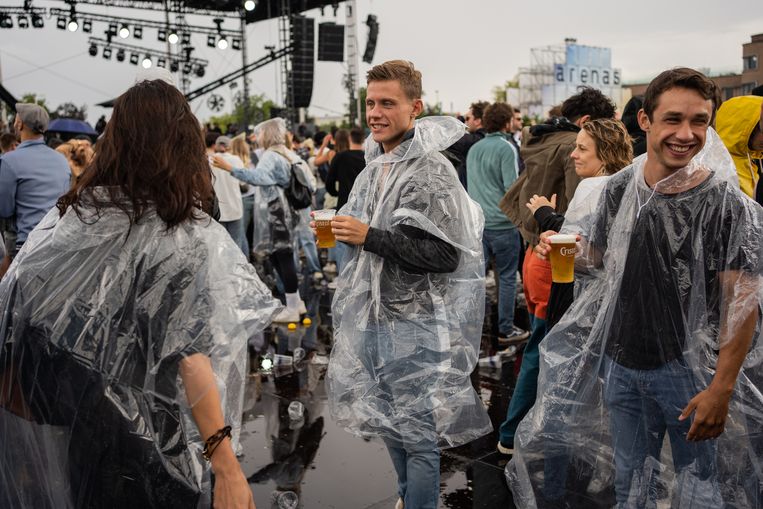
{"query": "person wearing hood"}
{"type": "Point", "coordinates": [663, 342]}
{"type": "Point", "coordinates": [739, 126]}
{"type": "Point", "coordinates": [409, 304]}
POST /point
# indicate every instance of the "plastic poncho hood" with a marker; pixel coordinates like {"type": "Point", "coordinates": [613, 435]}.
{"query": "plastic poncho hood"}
{"type": "Point", "coordinates": [736, 120]}
{"type": "Point", "coordinates": [670, 275]}
{"type": "Point", "coordinates": [406, 343]}
{"type": "Point", "coordinates": [96, 316]}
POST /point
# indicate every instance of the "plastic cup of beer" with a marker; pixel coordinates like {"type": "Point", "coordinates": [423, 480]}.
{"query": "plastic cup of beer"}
{"type": "Point", "coordinates": [323, 220]}
{"type": "Point", "coordinates": [562, 258]}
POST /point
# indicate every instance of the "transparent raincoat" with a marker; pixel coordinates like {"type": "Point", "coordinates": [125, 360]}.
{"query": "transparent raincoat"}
{"type": "Point", "coordinates": [405, 343]}
{"type": "Point", "coordinates": [96, 316]}
{"type": "Point", "coordinates": [669, 275]}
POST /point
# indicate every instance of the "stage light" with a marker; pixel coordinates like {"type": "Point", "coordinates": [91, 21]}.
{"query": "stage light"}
{"type": "Point", "coordinates": [107, 53]}
{"type": "Point", "coordinates": [112, 29]}
{"type": "Point", "coordinates": [37, 21]}
{"type": "Point", "coordinates": [249, 5]}
{"type": "Point", "coordinates": [161, 34]}
{"type": "Point", "coordinates": [147, 62]}
{"type": "Point", "coordinates": [173, 37]}
{"type": "Point", "coordinates": [174, 66]}
{"type": "Point", "coordinates": [73, 25]}
{"type": "Point", "coordinates": [211, 41]}
{"type": "Point", "coordinates": [87, 26]}
{"type": "Point", "coordinates": [134, 58]}
{"type": "Point", "coordinates": [161, 62]}
{"type": "Point", "coordinates": [6, 21]}
{"type": "Point", "coordinates": [61, 23]}
{"type": "Point", "coordinates": [120, 55]}
{"type": "Point", "coordinates": [93, 50]}
{"type": "Point", "coordinates": [138, 33]}
{"type": "Point", "coordinates": [235, 44]}
{"type": "Point", "coordinates": [22, 21]}
{"type": "Point", "coordinates": [200, 71]}
{"type": "Point", "coordinates": [222, 43]}
{"type": "Point", "coordinates": [187, 68]}
{"type": "Point", "coordinates": [124, 32]}
{"type": "Point", "coordinates": [185, 38]}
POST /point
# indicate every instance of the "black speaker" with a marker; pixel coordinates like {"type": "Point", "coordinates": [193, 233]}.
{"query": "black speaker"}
{"type": "Point", "coordinates": [373, 33]}
{"type": "Point", "coordinates": [330, 42]}
{"type": "Point", "coordinates": [300, 79]}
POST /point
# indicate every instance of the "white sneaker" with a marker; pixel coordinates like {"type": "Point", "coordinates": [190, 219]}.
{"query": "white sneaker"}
{"type": "Point", "coordinates": [330, 267]}
{"type": "Point", "coordinates": [302, 307]}
{"type": "Point", "coordinates": [332, 285]}
{"type": "Point", "coordinates": [399, 504]}
{"type": "Point", "coordinates": [317, 276]}
{"type": "Point", "coordinates": [287, 316]}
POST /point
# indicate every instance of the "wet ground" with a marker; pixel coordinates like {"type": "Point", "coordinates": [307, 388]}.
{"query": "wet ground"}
{"type": "Point", "coordinates": [311, 459]}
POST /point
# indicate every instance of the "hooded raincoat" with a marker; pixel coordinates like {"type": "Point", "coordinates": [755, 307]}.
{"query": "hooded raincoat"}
{"type": "Point", "coordinates": [737, 118]}
{"type": "Point", "coordinates": [666, 277]}
{"type": "Point", "coordinates": [95, 317]}
{"type": "Point", "coordinates": [406, 341]}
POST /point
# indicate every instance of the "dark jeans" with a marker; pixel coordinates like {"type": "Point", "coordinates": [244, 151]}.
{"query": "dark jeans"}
{"type": "Point", "coordinates": [505, 246]}
{"type": "Point", "coordinates": [283, 262]}
{"type": "Point", "coordinates": [523, 398]}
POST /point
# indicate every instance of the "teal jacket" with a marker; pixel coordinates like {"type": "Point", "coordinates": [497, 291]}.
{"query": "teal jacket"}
{"type": "Point", "coordinates": [491, 168]}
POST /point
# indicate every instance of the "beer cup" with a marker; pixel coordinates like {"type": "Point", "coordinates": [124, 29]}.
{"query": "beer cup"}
{"type": "Point", "coordinates": [323, 220]}
{"type": "Point", "coordinates": [562, 258]}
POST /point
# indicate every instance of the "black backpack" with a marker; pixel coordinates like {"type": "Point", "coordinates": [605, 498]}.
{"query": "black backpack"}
{"type": "Point", "coordinates": [298, 192]}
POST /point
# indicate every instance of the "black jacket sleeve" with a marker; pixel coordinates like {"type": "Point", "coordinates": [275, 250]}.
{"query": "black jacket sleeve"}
{"type": "Point", "coordinates": [548, 219]}
{"type": "Point", "coordinates": [413, 249]}
{"type": "Point", "coordinates": [331, 177]}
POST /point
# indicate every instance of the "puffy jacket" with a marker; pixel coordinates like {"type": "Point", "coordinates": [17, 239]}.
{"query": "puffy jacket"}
{"type": "Point", "coordinates": [548, 170]}
{"type": "Point", "coordinates": [735, 122]}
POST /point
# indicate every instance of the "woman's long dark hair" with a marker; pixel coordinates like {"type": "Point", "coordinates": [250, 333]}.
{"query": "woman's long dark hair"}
{"type": "Point", "coordinates": [151, 156]}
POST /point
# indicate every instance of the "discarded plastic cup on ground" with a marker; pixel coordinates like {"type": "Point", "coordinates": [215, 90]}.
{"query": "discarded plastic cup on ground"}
{"type": "Point", "coordinates": [282, 360]}
{"type": "Point", "coordinates": [286, 500]}
{"type": "Point", "coordinates": [296, 410]}
{"type": "Point", "coordinates": [298, 354]}
{"type": "Point", "coordinates": [322, 220]}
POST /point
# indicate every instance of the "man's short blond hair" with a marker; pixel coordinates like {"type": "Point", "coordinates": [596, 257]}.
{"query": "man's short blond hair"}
{"type": "Point", "coordinates": [398, 70]}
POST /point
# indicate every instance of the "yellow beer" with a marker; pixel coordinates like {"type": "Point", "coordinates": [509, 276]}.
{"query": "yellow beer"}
{"type": "Point", "coordinates": [322, 220]}
{"type": "Point", "coordinates": [562, 258]}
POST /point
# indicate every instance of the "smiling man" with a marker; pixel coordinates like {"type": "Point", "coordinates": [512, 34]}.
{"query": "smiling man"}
{"type": "Point", "coordinates": [692, 263]}
{"type": "Point", "coordinates": [409, 303]}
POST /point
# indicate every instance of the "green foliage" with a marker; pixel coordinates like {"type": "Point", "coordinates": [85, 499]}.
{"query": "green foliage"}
{"type": "Point", "coordinates": [69, 110]}
{"type": "Point", "coordinates": [353, 108]}
{"type": "Point", "coordinates": [259, 110]}
{"type": "Point", "coordinates": [36, 99]}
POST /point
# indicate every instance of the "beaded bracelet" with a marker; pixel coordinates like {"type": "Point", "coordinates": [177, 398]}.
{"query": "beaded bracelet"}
{"type": "Point", "coordinates": [211, 444]}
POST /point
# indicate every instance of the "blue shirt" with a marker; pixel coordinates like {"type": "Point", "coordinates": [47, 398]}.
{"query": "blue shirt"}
{"type": "Point", "coordinates": [32, 178]}
{"type": "Point", "coordinates": [491, 169]}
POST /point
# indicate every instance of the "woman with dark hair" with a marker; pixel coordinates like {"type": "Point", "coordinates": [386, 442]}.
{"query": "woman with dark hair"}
{"type": "Point", "coordinates": [123, 329]}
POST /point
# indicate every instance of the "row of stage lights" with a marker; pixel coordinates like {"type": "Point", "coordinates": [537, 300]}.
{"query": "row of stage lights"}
{"type": "Point", "coordinates": [163, 35]}
{"type": "Point", "coordinates": [22, 20]}
{"type": "Point", "coordinates": [148, 61]}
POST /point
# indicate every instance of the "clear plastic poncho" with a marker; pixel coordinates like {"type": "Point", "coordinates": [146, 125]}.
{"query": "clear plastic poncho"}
{"type": "Point", "coordinates": [614, 379]}
{"type": "Point", "coordinates": [96, 317]}
{"type": "Point", "coordinates": [406, 343]}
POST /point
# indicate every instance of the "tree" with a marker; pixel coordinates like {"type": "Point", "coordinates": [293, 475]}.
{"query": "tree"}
{"type": "Point", "coordinates": [499, 91]}
{"type": "Point", "coordinates": [70, 110]}
{"type": "Point", "coordinates": [35, 99]}
{"type": "Point", "coordinates": [259, 110]}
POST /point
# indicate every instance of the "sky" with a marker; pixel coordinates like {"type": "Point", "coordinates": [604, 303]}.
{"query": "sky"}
{"type": "Point", "coordinates": [463, 48]}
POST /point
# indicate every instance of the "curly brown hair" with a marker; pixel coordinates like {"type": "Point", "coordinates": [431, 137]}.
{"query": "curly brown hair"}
{"type": "Point", "coordinates": [497, 116]}
{"type": "Point", "coordinates": [613, 143]}
{"type": "Point", "coordinates": [151, 157]}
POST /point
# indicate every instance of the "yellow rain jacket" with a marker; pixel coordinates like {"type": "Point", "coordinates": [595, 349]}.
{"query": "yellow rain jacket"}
{"type": "Point", "coordinates": [735, 122]}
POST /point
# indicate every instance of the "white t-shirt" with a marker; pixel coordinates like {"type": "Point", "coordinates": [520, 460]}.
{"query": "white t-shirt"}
{"type": "Point", "coordinates": [227, 190]}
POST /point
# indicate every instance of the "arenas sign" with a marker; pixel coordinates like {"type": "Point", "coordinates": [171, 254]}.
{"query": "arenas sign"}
{"type": "Point", "coordinates": [587, 65]}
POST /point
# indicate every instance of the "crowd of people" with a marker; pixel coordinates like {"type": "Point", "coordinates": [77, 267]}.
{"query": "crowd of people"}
{"type": "Point", "coordinates": [133, 268]}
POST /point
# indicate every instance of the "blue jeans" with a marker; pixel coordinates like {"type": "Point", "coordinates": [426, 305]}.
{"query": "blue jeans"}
{"type": "Point", "coordinates": [237, 233]}
{"type": "Point", "coordinates": [643, 405]}
{"type": "Point", "coordinates": [505, 246]}
{"type": "Point", "coordinates": [340, 251]}
{"type": "Point", "coordinates": [418, 473]}
{"type": "Point", "coordinates": [526, 388]}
